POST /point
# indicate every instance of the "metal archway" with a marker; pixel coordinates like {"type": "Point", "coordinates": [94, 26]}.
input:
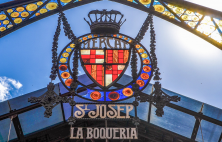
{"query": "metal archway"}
{"type": "Point", "coordinates": [201, 21]}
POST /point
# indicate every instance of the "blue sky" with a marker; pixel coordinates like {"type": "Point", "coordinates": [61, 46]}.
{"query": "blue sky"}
{"type": "Point", "coordinates": [189, 65]}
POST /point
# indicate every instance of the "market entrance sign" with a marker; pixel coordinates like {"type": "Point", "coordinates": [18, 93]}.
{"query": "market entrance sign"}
{"type": "Point", "coordinates": [105, 55]}
{"type": "Point", "coordinates": [102, 111]}
{"type": "Point", "coordinates": [104, 133]}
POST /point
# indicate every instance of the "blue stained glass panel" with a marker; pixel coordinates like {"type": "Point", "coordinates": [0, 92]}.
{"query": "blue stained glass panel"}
{"type": "Point", "coordinates": [212, 112]}
{"type": "Point", "coordinates": [34, 120]}
{"type": "Point", "coordinates": [4, 108]}
{"type": "Point", "coordinates": [22, 101]}
{"type": "Point", "coordinates": [62, 88]}
{"type": "Point", "coordinates": [210, 131]}
{"type": "Point", "coordinates": [125, 79]}
{"type": "Point", "coordinates": [4, 130]}
{"type": "Point", "coordinates": [142, 109]}
{"type": "Point", "coordinates": [174, 120]}
{"type": "Point", "coordinates": [185, 101]}
{"type": "Point", "coordinates": [148, 89]}
{"type": "Point", "coordinates": [85, 79]}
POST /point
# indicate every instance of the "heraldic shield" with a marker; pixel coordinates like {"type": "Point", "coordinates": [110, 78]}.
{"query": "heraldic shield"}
{"type": "Point", "coordinates": [105, 66]}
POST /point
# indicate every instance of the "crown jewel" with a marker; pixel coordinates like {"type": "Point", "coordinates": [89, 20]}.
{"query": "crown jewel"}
{"type": "Point", "coordinates": [105, 21]}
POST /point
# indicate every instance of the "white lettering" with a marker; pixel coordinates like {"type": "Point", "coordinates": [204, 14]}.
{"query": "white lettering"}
{"type": "Point", "coordinates": [113, 113]}
{"type": "Point", "coordinates": [96, 133]}
{"type": "Point", "coordinates": [119, 109]}
{"type": "Point", "coordinates": [79, 133]}
{"type": "Point", "coordinates": [81, 113]}
{"type": "Point", "coordinates": [109, 133]}
{"type": "Point", "coordinates": [96, 114]}
{"type": "Point", "coordinates": [128, 109]}
{"type": "Point", "coordinates": [133, 133]}
{"type": "Point", "coordinates": [71, 133]}
{"type": "Point", "coordinates": [127, 133]}
{"type": "Point", "coordinates": [89, 133]}
{"type": "Point", "coordinates": [102, 133]}
{"type": "Point", "coordinates": [105, 133]}
{"type": "Point", "coordinates": [122, 133]}
{"type": "Point", "coordinates": [101, 111]}
{"type": "Point", "coordinates": [115, 130]}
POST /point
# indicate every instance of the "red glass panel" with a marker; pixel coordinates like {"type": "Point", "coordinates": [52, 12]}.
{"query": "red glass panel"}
{"type": "Point", "coordinates": [114, 67]}
{"type": "Point", "coordinates": [100, 82]}
{"type": "Point", "coordinates": [92, 60]}
{"type": "Point", "coordinates": [92, 56]}
{"type": "Point", "coordinates": [99, 56]}
{"type": "Point", "coordinates": [120, 55]}
{"type": "Point", "coordinates": [99, 78]}
{"type": "Point", "coordinates": [99, 67]}
{"type": "Point", "coordinates": [85, 56]}
{"type": "Point", "coordinates": [108, 71]}
{"type": "Point", "coordinates": [92, 52]}
{"type": "Point", "coordinates": [120, 71]}
{"type": "Point", "coordinates": [120, 60]}
{"type": "Point", "coordinates": [114, 77]}
{"type": "Point", "coordinates": [88, 68]}
{"type": "Point", "coordinates": [115, 72]}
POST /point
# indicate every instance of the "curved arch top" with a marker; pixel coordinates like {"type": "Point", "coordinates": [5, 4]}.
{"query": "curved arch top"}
{"type": "Point", "coordinates": [201, 21]}
{"type": "Point", "coordinates": [14, 15]}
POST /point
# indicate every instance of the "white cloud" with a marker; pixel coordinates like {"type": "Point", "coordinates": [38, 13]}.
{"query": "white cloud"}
{"type": "Point", "coordinates": [7, 84]}
{"type": "Point", "coordinates": [15, 83]}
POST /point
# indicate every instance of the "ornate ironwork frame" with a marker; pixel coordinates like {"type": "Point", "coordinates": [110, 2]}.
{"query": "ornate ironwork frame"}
{"type": "Point", "coordinates": [134, 42]}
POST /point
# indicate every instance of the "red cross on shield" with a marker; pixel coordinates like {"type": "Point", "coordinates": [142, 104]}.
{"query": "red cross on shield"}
{"type": "Point", "coordinates": [104, 66]}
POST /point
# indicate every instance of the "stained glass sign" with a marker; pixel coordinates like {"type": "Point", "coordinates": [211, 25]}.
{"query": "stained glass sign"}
{"type": "Point", "coordinates": [105, 58]}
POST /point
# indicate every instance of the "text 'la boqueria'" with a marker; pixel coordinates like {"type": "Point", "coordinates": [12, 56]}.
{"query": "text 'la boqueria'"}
{"type": "Point", "coordinates": [103, 133]}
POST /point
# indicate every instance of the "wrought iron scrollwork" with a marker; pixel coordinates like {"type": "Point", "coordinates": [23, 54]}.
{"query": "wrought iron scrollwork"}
{"type": "Point", "coordinates": [49, 100]}
{"type": "Point", "coordinates": [158, 98]}
{"type": "Point", "coordinates": [54, 49]}
{"type": "Point", "coordinates": [143, 29]}
{"type": "Point", "coordinates": [69, 33]}
{"type": "Point", "coordinates": [133, 64]}
{"type": "Point", "coordinates": [136, 121]}
{"type": "Point", "coordinates": [67, 29]}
